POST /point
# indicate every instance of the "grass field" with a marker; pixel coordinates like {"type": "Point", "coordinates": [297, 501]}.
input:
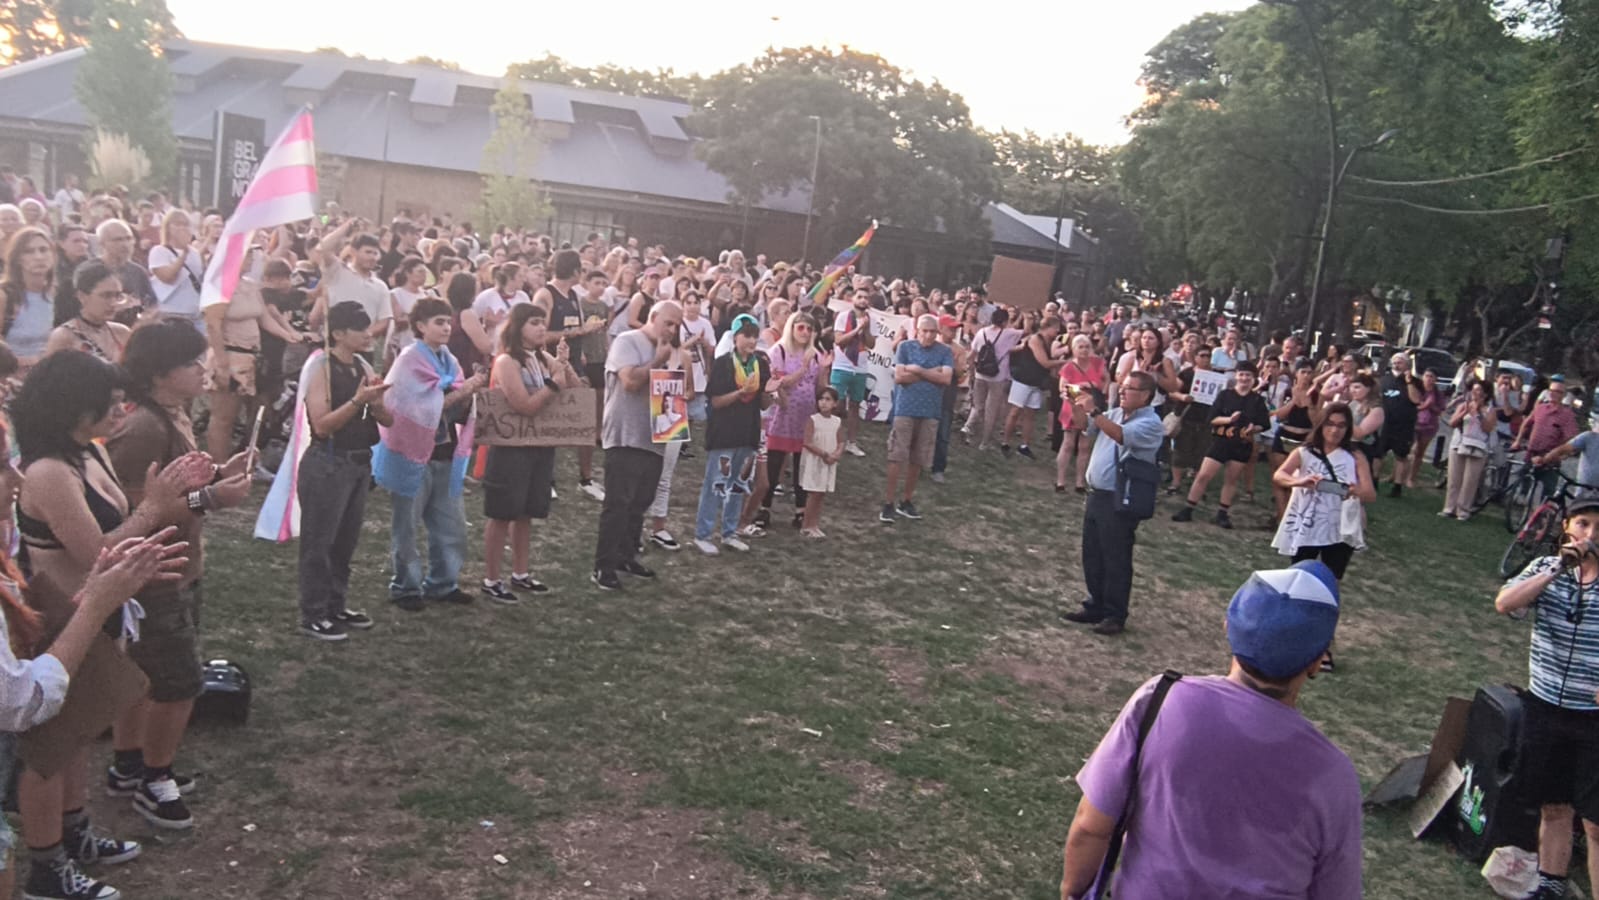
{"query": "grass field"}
{"type": "Point", "coordinates": [892, 712]}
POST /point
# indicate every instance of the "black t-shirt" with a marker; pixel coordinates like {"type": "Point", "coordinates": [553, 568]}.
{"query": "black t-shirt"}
{"type": "Point", "coordinates": [1252, 405]}
{"type": "Point", "coordinates": [361, 432]}
{"type": "Point", "coordinates": [739, 424]}
{"type": "Point", "coordinates": [1398, 413]}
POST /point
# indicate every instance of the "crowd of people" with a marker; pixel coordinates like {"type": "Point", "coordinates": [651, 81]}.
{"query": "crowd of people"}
{"type": "Point", "coordinates": [395, 331]}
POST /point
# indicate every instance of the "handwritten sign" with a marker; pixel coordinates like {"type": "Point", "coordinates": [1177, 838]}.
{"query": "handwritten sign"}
{"type": "Point", "coordinates": [877, 363]}
{"type": "Point", "coordinates": [567, 420]}
{"type": "Point", "coordinates": [1208, 386]}
{"type": "Point", "coordinates": [668, 406]}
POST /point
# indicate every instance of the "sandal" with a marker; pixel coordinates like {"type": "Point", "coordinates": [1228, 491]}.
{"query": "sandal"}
{"type": "Point", "coordinates": [1060, 488]}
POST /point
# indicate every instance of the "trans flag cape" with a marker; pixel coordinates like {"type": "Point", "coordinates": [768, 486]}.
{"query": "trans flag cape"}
{"type": "Point", "coordinates": [280, 514]}
{"type": "Point", "coordinates": [824, 285]}
{"type": "Point", "coordinates": [419, 377]}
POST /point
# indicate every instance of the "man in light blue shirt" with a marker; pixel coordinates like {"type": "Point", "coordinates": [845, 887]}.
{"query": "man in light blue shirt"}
{"type": "Point", "coordinates": [1135, 430]}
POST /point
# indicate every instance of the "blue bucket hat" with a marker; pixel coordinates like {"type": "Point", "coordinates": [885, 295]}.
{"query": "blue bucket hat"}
{"type": "Point", "coordinates": [1282, 620]}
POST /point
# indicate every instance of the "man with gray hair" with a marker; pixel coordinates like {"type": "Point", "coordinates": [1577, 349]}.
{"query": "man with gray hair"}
{"type": "Point", "coordinates": [115, 240]}
{"type": "Point", "coordinates": [922, 368]}
{"type": "Point", "coordinates": [633, 460]}
{"type": "Point", "coordinates": [1401, 395]}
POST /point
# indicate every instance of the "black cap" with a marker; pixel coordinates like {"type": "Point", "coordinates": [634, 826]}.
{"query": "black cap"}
{"type": "Point", "coordinates": [1582, 505]}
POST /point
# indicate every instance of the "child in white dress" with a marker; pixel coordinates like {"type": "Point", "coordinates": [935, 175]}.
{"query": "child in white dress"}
{"type": "Point", "coordinates": [819, 462]}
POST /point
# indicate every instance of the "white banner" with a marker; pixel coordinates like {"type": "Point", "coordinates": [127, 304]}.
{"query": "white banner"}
{"type": "Point", "coordinates": [878, 362]}
{"type": "Point", "coordinates": [1208, 386]}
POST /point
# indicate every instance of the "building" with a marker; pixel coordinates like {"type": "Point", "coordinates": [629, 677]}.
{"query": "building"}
{"type": "Point", "coordinates": [394, 137]}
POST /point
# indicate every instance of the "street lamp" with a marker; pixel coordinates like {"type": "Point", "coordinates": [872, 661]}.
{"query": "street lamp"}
{"type": "Point", "coordinates": [1326, 226]}
{"type": "Point", "coordinates": [810, 204]}
{"type": "Point", "coordinates": [383, 171]}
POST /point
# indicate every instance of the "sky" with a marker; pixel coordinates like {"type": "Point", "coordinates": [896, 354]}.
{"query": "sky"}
{"type": "Point", "coordinates": [1052, 67]}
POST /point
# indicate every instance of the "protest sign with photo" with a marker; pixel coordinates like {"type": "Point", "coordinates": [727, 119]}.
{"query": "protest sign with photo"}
{"type": "Point", "coordinates": [668, 406]}
{"type": "Point", "coordinates": [567, 420]}
{"type": "Point", "coordinates": [878, 362]}
{"type": "Point", "coordinates": [1208, 386]}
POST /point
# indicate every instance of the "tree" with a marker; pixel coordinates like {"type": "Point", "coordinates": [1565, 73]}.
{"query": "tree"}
{"type": "Point", "coordinates": [662, 83]}
{"type": "Point", "coordinates": [892, 148]}
{"type": "Point", "coordinates": [124, 84]}
{"type": "Point", "coordinates": [34, 28]}
{"type": "Point", "coordinates": [510, 195]}
{"type": "Point", "coordinates": [435, 62]}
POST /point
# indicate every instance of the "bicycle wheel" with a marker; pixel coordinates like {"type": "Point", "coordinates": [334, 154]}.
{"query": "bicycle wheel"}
{"type": "Point", "coordinates": [1539, 537]}
{"type": "Point", "coordinates": [1489, 489]}
{"type": "Point", "coordinates": [1519, 501]}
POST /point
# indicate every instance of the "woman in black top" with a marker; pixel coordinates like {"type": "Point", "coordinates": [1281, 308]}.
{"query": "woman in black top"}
{"type": "Point", "coordinates": [1295, 424]}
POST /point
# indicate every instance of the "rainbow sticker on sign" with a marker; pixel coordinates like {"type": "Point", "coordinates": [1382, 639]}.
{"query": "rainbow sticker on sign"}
{"type": "Point", "coordinates": [668, 406]}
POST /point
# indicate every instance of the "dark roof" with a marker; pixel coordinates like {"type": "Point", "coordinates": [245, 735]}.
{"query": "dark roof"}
{"type": "Point", "coordinates": [436, 118]}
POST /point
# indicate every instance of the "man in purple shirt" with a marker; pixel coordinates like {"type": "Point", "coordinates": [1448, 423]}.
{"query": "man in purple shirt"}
{"type": "Point", "coordinates": [1238, 794]}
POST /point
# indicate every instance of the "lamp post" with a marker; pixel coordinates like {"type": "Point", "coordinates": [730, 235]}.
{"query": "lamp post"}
{"type": "Point", "coordinates": [1326, 225]}
{"type": "Point", "coordinates": [810, 204]}
{"type": "Point", "coordinates": [383, 171]}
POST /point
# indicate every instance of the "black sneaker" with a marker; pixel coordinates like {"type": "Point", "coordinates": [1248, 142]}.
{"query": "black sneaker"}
{"type": "Point", "coordinates": [325, 630]}
{"type": "Point", "coordinates": [1004, 449]}
{"type": "Point", "coordinates": [1110, 627]}
{"type": "Point", "coordinates": [352, 618]}
{"type": "Point", "coordinates": [637, 569]}
{"type": "Point", "coordinates": [1083, 616]}
{"type": "Point", "coordinates": [763, 517]}
{"type": "Point", "coordinates": [62, 880]}
{"type": "Point", "coordinates": [1396, 490]}
{"type": "Point", "coordinates": [499, 593]}
{"type": "Point", "coordinates": [887, 515]}
{"type": "Point", "coordinates": [457, 597]}
{"type": "Point", "coordinates": [162, 806]}
{"type": "Point", "coordinates": [606, 580]}
{"type": "Point", "coordinates": [529, 583]}
{"type": "Point", "coordinates": [409, 602]}
{"type": "Point", "coordinates": [1026, 451]}
{"type": "Point", "coordinates": [1186, 514]}
{"type": "Point", "coordinates": [84, 846]}
{"type": "Point", "coordinates": [124, 784]}
{"type": "Point", "coordinates": [1224, 519]}
{"type": "Point", "coordinates": [908, 510]}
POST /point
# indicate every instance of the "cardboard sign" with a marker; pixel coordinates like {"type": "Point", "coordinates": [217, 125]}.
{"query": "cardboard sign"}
{"type": "Point", "coordinates": [668, 406]}
{"type": "Point", "coordinates": [877, 363]}
{"type": "Point", "coordinates": [1208, 386]}
{"type": "Point", "coordinates": [569, 419]}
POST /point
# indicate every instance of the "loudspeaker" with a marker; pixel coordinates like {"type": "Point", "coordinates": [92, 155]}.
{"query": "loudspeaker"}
{"type": "Point", "coordinates": [225, 695]}
{"type": "Point", "coordinates": [1492, 808]}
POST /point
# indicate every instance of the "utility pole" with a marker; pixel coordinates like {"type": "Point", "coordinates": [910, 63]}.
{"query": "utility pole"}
{"type": "Point", "coordinates": [810, 204]}
{"type": "Point", "coordinates": [383, 171]}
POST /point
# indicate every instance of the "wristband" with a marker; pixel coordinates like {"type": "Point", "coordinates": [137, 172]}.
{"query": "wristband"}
{"type": "Point", "coordinates": [196, 501]}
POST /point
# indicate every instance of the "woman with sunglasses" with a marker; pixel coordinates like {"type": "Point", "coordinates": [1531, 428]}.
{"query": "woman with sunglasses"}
{"type": "Point", "coordinates": [86, 312]}
{"type": "Point", "coordinates": [798, 369]}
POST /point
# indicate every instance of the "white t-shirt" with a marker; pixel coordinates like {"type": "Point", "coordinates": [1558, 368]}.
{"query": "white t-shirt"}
{"type": "Point", "coordinates": [345, 285]}
{"type": "Point", "coordinates": [68, 202]}
{"type": "Point", "coordinates": [405, 299]}
{"type": "Point", "coordinates": [841, 361]}
{"type": "Point", "coordinates": [701, 327]}
{"type": "Point", "coordinates": [181, 297]}
{"type": "Point", "coordinates": [492, 307]}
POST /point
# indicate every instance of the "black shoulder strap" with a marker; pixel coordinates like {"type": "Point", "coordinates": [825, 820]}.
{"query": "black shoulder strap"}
{"type": "Point", "coordinates": [1114, 851]}
{"type": "Point", "coordinates": [1332, 472]}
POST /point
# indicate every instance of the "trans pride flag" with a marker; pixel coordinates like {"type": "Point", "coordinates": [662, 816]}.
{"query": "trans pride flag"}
{"type": "Point", "coordinates": [279, 519]}
{"type": "Point", "coordinates": [419, 377]}
{"type": "Point", "coordinates": [283, 190]}
{"type": "Point", "coordinates": [820, 290]}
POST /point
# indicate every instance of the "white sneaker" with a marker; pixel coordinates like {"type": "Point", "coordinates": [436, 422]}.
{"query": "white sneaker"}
{"type": "Point", "coordinates": [664, 540]}
{"type": "Point", "coordinates": [734, 543]}
{"type": "Point", "coordinates": [593, 490]}
{"type": "Point", "coordinates": [706, 547]}
{"type": "Point", "coordinates": [854, 449]}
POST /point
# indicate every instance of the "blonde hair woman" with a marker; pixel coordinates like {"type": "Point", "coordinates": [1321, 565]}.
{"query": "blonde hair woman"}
{"type": "Point", "coordinates": [177, 269]}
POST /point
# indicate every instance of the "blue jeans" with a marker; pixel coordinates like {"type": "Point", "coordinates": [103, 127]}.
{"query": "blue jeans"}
{"type": "Point", "coordinates": [444, 517]}
{"type": "Point", "coordinates": [728, 474]}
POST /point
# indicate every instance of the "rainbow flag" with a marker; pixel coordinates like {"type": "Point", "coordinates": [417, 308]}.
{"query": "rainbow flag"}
{"type": "Point", "coordinates": [844, 260]}
{"type": "Point", "coordinates": [283, 190]}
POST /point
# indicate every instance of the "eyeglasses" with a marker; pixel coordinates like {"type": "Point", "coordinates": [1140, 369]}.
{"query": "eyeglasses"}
{"type": "Point", "coordinates": [802, 327]}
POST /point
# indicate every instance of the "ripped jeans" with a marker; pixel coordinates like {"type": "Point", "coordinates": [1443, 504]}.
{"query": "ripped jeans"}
{"type": "Point", "coordinates": [728, 474]}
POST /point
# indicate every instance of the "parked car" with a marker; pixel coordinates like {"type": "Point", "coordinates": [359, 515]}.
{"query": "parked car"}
{"type": "Point", "coordinates": [1440, 363]}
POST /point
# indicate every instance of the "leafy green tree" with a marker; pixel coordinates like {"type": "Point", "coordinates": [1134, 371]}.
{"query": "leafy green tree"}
{"type": "Point", "coordinates": [34, 28]}
{"type": "Point", "coordinates": [123, 81]}
{"type": "Point", "coordinates": [892, 147]}
{"type": "Point", "coordinates": [664, 83]}
{"type": "Point", "coordinates": [435, 62]}
{"type": "Point", "coordinates": [510, 195]}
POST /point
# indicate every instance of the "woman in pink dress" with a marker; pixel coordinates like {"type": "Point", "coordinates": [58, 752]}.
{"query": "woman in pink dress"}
{"type": "Point", "coordinates": [1085, 370]}
{"type": "Point", "coordinates": [798, 367]}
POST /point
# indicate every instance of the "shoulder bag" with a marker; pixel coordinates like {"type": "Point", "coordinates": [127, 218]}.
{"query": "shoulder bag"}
{"type": "Point", "coordinates": [1137, 481]}
{"type": "Point", "coordinates": [1101, 888]}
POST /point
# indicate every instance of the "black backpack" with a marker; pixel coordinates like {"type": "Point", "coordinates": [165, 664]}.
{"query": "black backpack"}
{"type": "Point", "coordinates": [987, 359]}
{"type": "Point", "coordinates": [1024, 366]}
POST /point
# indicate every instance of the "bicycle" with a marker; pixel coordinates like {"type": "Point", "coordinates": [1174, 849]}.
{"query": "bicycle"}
{"type": "Point", "coordinates": [1523, 494]}
{"type": "Point", "coordinates": [1540, 534]}
{"type": "Point", "coordinates": [1501, 471]}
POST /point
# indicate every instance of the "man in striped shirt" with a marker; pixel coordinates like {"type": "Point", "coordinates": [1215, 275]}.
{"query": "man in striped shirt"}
{"type": "Point", "coordinates": [1561, 743]}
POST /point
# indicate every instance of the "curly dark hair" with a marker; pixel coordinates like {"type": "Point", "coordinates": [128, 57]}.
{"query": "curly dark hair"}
{"type": "Point", "coordinates": [156, 349]}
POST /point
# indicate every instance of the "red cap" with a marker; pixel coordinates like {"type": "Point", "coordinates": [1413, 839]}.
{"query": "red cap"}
{"type": "Point", "coordinates": [947, 321]}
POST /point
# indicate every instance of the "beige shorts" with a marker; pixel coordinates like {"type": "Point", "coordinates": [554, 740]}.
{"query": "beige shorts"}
{"type": "Point", "coordinates": [241, 374]}
{"type": "Point", "coordinates": [912, 441]}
